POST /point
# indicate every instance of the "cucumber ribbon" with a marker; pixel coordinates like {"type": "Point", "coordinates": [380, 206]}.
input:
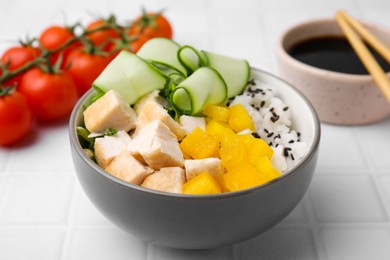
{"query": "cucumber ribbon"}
{"type": "Point", "coordinates": [190, 79]}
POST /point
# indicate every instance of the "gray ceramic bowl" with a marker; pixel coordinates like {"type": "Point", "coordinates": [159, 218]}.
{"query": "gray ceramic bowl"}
{"type": "Point", "coordinates": [199, 222]}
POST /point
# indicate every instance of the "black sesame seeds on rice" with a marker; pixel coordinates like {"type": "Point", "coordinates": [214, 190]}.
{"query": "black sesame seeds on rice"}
{"type": "Point", "coordinates": [272, 120]}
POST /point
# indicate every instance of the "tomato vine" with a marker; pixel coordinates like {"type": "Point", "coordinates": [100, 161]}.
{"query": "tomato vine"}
{"type": "Point", "coordinates": [46, 75]}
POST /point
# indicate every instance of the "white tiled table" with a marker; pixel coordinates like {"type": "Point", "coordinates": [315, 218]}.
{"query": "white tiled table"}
{"type": "Point", "coordinates": [44, 214]}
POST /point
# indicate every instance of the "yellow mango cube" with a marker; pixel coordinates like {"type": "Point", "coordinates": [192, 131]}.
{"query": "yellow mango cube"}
{"type": "Point", "coordinates": [220, 130]}
{"type": "Point", "coordinates": [232, 151]}
{"type": "Point", "coordinates": [214, 127]}
{"type": "Point", "coordinates": [266, 169]}
{"type": "Point", "coordinates": [202, 184]}
{"type": "Point", "coordinates": [242, 177]}
{"type": "Point", "coordinates": [239, 118]}
{"type": "Point", "coordinates": [216, 112]}
{"type": "Point", "coordinates": [221, 182]}
{"type": "Point", "coordinates": [256, 147]}
{"type": "Point", "coordinates": [199, 145]}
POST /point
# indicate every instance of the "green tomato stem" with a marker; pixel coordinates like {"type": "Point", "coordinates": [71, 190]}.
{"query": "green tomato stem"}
{"type": "Point", "coordinates": [43, 58]}
{"type": "Point", "coordinates": [5, 91]}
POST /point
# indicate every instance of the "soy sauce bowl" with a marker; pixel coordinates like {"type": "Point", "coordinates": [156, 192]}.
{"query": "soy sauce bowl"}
{"type": "Point", "coordinates": [339, 98]}
{"type": "Point", "coordinates": [207, 221]}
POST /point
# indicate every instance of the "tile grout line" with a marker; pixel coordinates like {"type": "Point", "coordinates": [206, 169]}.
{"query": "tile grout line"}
{"type": "Point", "coordinates": [4, 180]}
{"type": "Point", "coordinates": [315, 227]}
{"type": "Point", "coordinates": [3, 185]}
{"type": "Point", "coordinates": [373, 175]}
{"type": "Point", "coordinates": [268, 45]}
{"type": "Point", "coordinates": [147, 249]}
{"type": "Point", "coordinates": [382, 196]}
{"type": "Point", "coordinates": [319, 242]}
{"type": "Point", "coordinates": [3, 167]}
{"type": "Point", "coordinates": [340, 171]}
{"type": "Point", "coordinates": [72, 208]}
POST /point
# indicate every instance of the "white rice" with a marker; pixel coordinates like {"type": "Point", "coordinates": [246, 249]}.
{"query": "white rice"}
{"type": "Point", "coordinates": [272, 120]}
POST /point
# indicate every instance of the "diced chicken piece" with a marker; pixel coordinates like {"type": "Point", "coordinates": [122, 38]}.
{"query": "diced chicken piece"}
{"type": "Point", "coordinates": [157, 145]}
{"type": "Point", "coordinates": [123, 136]}
{"type": "Point", "coordinates": [151, 111]}
{"type": "Point", "coordinates": [108, 147]}
{"type": "Point", "coordinates": [170, 179]}
{"type": "Point", "coordinates": [190, 122]}
{"type": "Point", "coordinates": [127, 168]}
{"type": "Point", "coordinates": [151, 97]}
{"type": "Point", "coordinates": [195, 167]}
{"type": "Point", "coordinates": [110, 111]}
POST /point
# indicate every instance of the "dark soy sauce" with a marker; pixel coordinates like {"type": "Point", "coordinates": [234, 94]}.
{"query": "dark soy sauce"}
{"type": "Point", "coordinates": [333, 53]}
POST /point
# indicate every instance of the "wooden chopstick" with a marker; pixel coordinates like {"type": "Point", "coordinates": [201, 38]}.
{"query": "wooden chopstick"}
{"type": "Point", "coordinates": [371, 39]}
{"type": "Point", "coordinates": [363, 53]}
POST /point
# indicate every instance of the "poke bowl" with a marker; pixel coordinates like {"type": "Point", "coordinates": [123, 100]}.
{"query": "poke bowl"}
{"type": "Point", "coordinates": [199, 221]}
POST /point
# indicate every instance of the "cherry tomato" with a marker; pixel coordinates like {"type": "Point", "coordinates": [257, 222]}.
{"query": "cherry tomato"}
{"type": "Point", "coordinates": [152, 25]}
{"type": "Point", "coordinates": [55, 36]}
{"type": "Point", "coordinates": [102, 37]}
{"type": "Point", "coordinates": [15, 116]}
{"type": "Point", "coordinates": [85, 68]}
{"type": "Point", "coordinates": [138, 42]}
{"type": "Point", "coordinates": [18, 56]}
{"type": "Point", "coordinates": [51, 96]}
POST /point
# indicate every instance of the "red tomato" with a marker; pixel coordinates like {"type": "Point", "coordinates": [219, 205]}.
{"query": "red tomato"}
{"type": "Point", "coordinates": [152, 25]}
{"type": "Point", "coordinates": [102, 36]}
{"type": "Point", "coordinates": [51, 96]}
{"type": "Point", "coordinates": [15, 117]}
{"type": "Point", "coordinates": [138, 42]}
{"type": "Point", "coordinates": [84, 68]}
{"type": "Point", "coordinates": [18, 56]}
{"type": "Point", "coordinates": [55, 36]}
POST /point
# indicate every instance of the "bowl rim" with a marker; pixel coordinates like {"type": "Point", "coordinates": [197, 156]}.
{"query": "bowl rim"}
{"type": "Point", "coordinates": [313, 149]}
{"type": "Point", "coordinates": [283, 54]}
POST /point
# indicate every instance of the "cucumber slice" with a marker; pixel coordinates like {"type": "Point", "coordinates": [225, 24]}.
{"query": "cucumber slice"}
{"type": "Point", "coordinates": [235, 72]}
{"type": "Point", "coordinates": [162, 51]}
{"type": "Point", "coordinates": [182, 99]}
{"type": "Point", "coordinates": [176, 76]}
{"type": "Point", "coordinates": [204, 86]}
{"type": "Point", "coordinates": [131, 76]}
{"type": "Point", "coordinates": [191, 58]}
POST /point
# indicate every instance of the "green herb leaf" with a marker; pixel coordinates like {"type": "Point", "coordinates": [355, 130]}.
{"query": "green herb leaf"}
{"type": "Point", "coordinates": [84, 133]}
{"type": "Point", "coordinates": [110, 132]}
